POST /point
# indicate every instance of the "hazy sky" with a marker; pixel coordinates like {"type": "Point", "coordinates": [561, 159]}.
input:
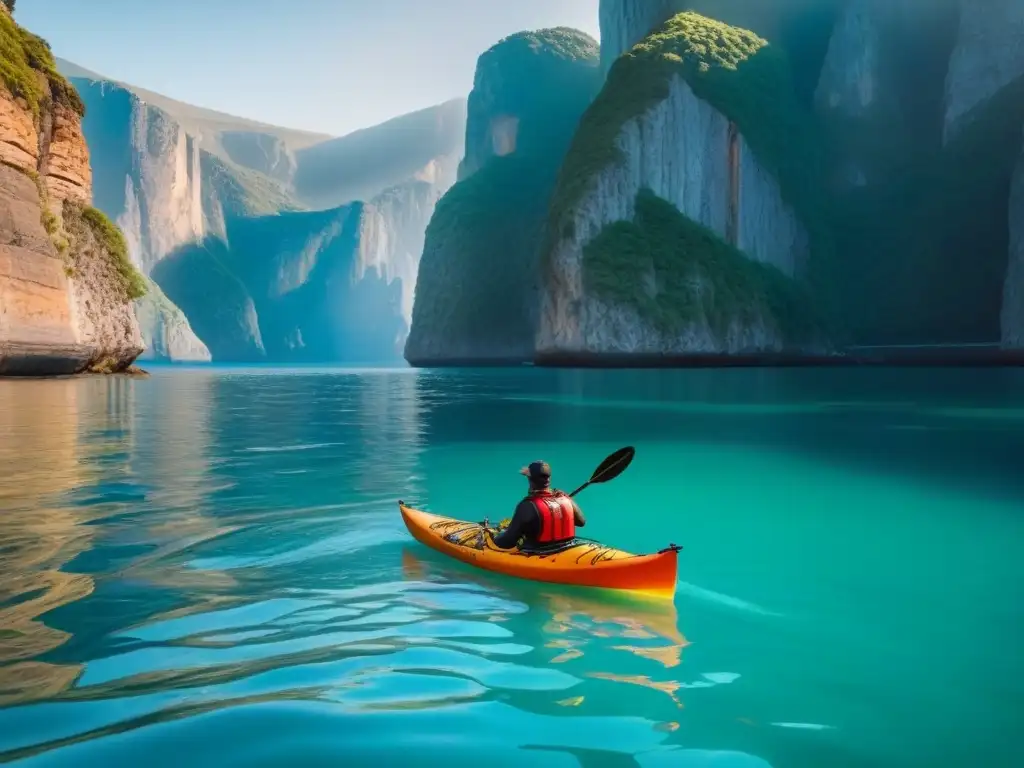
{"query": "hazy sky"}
{"type": "Point", "coordinates": [324, 65]}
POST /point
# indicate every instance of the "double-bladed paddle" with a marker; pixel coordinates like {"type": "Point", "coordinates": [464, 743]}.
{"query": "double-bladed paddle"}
{"type": "Point", "coordinates": [610, 468]}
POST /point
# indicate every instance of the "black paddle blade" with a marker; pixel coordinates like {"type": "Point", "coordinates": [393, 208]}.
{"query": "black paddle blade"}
{"type": "Point", "coordinates": [613, 466]}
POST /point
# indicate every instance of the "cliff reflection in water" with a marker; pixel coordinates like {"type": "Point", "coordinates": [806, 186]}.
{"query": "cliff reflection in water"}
{"type": "Point", "coordinates": [198, 539]}
{"type": "Point", "coordinates": [577, 623]}
{"type": "Point", "coordinates": [86, 505]}
{"type": "Point", "coordinates": [42, 527]}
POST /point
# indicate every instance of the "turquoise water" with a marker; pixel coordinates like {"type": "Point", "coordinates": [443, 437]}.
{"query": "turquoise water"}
{"type": "Point", "coordinates": [208, 568]}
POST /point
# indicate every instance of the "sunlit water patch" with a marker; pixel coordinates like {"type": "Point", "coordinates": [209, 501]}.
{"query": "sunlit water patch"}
{"type": "Point", "coordinates": [209, 566]}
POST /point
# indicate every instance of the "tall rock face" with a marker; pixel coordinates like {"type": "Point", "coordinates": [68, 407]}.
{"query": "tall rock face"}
{"type": "Point", "coordinates": [190, 187]}
{"type": "Point", "coordinates": [65, 282]}
{"type": "Point", "coordinates": [879, 91]}
{"type": "Point", "coordinates": [403, 214]}
{"type": "Point", "coordinates": [853, 86]}
{"type": "Point", "coordinates": [148, 178]}
{"type": "Point", "coordinates": [527, 76]}
{"type": "Point", "coordinates": [321, 286]}
{"type": "Point", "coordinates": [477, 289]}
{"type": "Point", "coordinates": [676, 226]}
{"type": "Point", "coordinates": [1012, 319]}
{"type": "Point", "coordinates": [989, 55]}
{"type": "Point", "coordinates": [922, 116]}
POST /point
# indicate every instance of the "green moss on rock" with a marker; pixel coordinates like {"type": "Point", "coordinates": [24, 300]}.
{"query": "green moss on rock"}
{"type": "Point", "coordinates": [110, 238]}
{"type": "Point", "coordinates": [802, 28]}
{"type": "Point", "coordinates": [23, 58]}
{"type": "Point", "coordinates": [677, 273]}
{"type": "Point", "coordinates": [737, 73]}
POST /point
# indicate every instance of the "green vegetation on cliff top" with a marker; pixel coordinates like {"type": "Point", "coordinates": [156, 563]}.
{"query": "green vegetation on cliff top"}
{"type": "Point", "coordinates": [697, 277]}
{"type": "Point", "coordinates": [737, 73]}
{"type": "Point", "coordinates": [23, 56]}
{"type": "Point", "coordinates": [110, 238]}
{"type": "Point", "coordinates": [530, 72]}
{"type": "Point", "coordinates": [546, 78]}
{"type": "Point", "coordinates": [748, 81]}
{"type": "Point", "coordinates": [559, 42]}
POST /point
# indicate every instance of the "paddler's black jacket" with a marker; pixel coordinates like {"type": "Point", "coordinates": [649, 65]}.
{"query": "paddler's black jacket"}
{"type": "Point", "coordinates": [526, 522]}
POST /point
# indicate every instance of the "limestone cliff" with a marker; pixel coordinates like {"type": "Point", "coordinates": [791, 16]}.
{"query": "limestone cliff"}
{"type": "Point", "coordinates": [801, 27]}
{"type": "Point", "coordinates": [880, 89]}
{"type": "Point", "coordinates": [853, 85]}
{"type": "Point", "coordinates": [147, 177]}
{"type": "Point", "coordinates": [520, 86]}
{"type": "Point", "coordinates": [677, 227]}
{"type": "Point", "coordinates": [1013, 290]}
{"type": "Point", "coordinates": [922, 192]}
{"type": "Point", "coordinates": [187, 184]}
{"type": "Point", "coordinates": [989, 55]}
{"type": "Point", "coordinates": [403, 214]}
{"type": "Point", "coordinates": [324, 286]}
{"type": "Point", "coordinates": [477, 290]}
{"type": "Point", "coordinates": [65, 281]}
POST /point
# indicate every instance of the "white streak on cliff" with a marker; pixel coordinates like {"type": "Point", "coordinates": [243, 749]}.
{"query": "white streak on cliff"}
{"type": "Point", "coordinates": [680, 150]}
{"type": "Point", "coordinates": [989, 55]}
{"type": "Point", "coordinates": [849, 85]}
{"type": "Point", "coordinates": [1013, 292]}
{"type": "Point", "coordinates": [397, 224]}
{"type": "Point", "coordinates": [504, 134]}
{"type": "Point", "coordinates": [163, 204]}
{"type": "Point", "coordinates": [849, 77]}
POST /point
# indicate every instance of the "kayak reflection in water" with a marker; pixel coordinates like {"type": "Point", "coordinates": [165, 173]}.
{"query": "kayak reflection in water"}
{"type": "Point", "coordinates": [545, 518]}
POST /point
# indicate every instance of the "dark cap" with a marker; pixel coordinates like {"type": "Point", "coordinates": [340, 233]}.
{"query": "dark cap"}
{"type": "Point", "coordinates": [538, 471]}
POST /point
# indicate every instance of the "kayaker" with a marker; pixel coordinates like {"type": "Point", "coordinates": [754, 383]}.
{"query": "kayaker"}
{"type": "Point", "coordinates": [545, 517]}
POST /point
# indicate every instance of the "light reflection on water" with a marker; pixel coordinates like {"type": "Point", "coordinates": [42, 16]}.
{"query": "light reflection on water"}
{"type": "Point", "coordinates": [218, 552]}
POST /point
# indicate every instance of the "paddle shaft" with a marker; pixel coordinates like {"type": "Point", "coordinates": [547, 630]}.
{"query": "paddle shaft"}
{"type": "Point", "coordinates": [582, 487]}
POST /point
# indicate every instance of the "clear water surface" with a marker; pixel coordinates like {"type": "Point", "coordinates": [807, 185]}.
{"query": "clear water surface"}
{"type": "Point", "coordinates": [208, 568]}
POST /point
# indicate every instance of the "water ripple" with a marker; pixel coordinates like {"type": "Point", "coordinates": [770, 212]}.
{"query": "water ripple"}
{"type": "Point", "coordinates": [204, 556]}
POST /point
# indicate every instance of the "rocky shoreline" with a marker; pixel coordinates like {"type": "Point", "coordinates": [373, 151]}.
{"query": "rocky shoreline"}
{"type": "Point", "coordinates": [978, 356]}
{"type": "Point", "coordinates": [974, 356]}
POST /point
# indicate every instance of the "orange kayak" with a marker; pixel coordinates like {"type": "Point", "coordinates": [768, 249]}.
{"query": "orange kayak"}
{"type": "Point", "coordinates": [583, 564]}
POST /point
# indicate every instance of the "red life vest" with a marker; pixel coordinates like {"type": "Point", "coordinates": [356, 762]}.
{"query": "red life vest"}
{"type": "Point", "coordinates": [557, 518]}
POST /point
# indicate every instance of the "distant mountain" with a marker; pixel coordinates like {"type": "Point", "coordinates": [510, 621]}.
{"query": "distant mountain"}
{"type": "Point", "coordinates": [200, 195]}
{"type": "Point", "coordinates": [198, 121]}
{"type": "Point", "coordinates": [361, 164]}
{"type": "Point", "coordinates": [313, 171]}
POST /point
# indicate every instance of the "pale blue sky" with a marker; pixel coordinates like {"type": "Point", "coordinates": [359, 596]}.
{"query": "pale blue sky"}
{"type": "Point", "coordinates": [324, 65]}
